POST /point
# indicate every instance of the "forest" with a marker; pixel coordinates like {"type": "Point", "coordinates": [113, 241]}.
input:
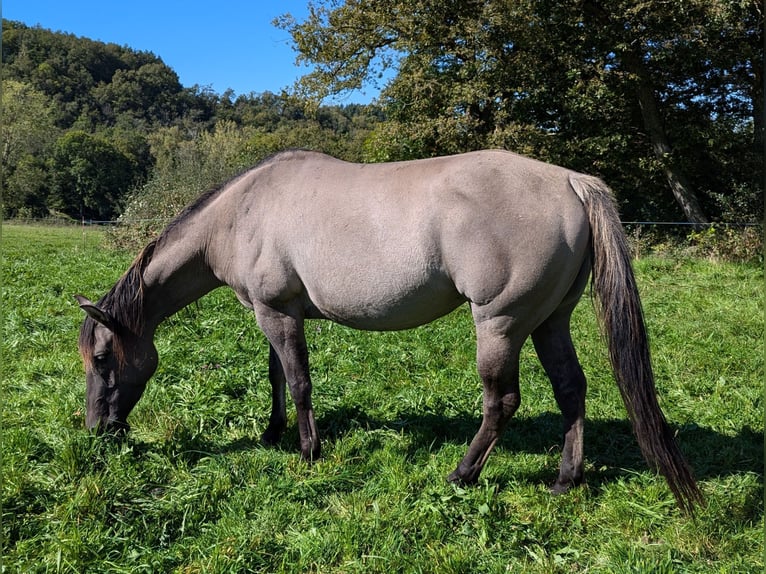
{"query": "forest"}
{"type": "Point", "coordinates": [663, 99]}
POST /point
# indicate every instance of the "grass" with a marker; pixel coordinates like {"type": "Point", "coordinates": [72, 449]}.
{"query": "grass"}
{"type": "Point", "coordinates": [192, 490]}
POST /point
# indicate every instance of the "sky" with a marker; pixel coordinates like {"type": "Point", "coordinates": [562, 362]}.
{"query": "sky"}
{"type": "Point", "coordinates": [220, 45]}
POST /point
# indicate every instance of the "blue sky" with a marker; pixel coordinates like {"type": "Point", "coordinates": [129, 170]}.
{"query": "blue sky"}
{"type": "Point", "coordinates": [226, 44]}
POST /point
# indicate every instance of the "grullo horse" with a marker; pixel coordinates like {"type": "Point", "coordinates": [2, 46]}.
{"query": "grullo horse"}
{"type": "Point", "coordinates": [392, 246]}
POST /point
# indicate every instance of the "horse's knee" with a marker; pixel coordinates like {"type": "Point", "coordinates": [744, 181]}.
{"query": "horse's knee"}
{"type": "Point", "coordinates": [300, 391]}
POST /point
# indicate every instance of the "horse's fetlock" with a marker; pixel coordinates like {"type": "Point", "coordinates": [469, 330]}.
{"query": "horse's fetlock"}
{"type": "Point", "coordinates": [310, 451]}
{"type": "Point", "coordinates": [565, 483]}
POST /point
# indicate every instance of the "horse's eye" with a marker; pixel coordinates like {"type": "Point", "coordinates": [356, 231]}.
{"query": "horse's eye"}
{"type": "Point", "coordinates": [101, 358]}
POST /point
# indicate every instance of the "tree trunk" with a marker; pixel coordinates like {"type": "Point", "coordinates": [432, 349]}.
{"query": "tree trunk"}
{"type": "Point", "coordinates": [647, 100]}
{"type": "Point", "coordinates": [633, 62]}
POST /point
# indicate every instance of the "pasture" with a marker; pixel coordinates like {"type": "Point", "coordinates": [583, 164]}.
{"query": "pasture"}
{"type": "Point", "coordinates": [192, 489]}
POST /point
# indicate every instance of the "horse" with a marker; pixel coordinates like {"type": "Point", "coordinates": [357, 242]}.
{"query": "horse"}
{"type": "Point", "coordinates": [392, 246]}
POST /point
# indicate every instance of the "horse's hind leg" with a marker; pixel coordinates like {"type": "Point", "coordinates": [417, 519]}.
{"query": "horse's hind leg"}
{"type": "Point", "coordinates": [278, 418]}
{"type": "Point", "coordinates": [497, 357]}
{"type": "Point", "coordinates": [554, 347]}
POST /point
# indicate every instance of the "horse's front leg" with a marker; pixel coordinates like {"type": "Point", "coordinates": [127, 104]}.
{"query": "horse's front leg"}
{"type": "Point", "coordinates": [278, 418]}
{"type": "Point", "coordinates": [284, 331]}
{"type": "Point", "coordinates": [497, 358]}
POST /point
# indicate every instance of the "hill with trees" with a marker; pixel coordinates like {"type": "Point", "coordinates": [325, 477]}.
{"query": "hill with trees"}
{"type": "Point", "coordinates": [89, 127]}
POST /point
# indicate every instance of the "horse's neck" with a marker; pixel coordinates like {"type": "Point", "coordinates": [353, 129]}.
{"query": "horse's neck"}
{"type": "Point", "coordinates": [176, 276]}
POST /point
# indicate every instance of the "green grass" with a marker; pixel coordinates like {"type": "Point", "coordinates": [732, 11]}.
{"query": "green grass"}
{"type": "Point", "coordinates": [192, 490]}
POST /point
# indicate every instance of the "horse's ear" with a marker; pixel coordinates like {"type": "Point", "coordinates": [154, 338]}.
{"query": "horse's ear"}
{"type": "Point", "coordinates": [95, 312]}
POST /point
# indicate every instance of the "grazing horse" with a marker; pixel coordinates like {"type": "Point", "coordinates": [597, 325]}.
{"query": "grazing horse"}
{"type": "Point", "coordinates": [392, 246]}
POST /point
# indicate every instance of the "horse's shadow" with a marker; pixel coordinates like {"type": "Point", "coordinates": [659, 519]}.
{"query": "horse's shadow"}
{"type": "Point", "coordinates": [610, 446]}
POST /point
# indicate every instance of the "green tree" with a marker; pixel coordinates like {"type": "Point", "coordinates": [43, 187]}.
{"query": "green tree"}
{"type": "Point", "coordinates": [612, 88]}
{"type": "Point", "coordinates": [25, 191]}
{"type": "Point", "coordinates": [90, 177]}
{"type": "Point", "coordinates": [27, 136]}
{"type": "Point", "coordinates": [150, 93]}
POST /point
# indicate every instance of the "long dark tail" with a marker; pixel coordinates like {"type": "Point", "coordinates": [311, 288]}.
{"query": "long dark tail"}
{"type": "Point", "coordinates": [619, 309]}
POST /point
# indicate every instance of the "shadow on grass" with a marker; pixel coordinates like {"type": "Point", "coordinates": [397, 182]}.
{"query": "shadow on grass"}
{"type": "Point", "coordinates": [609, 444]}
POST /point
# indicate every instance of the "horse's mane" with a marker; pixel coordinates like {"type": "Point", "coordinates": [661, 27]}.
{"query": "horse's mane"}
{"type": "Point", "coordinates": [197, 205]}
{"type": "Point", "coordinates": [125, 304]}
{"type": "Point", "coordinates": [125, 301]}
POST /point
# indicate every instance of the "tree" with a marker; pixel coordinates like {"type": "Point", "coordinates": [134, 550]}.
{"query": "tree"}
{"type": "Point", "coordinates": [93, 83]}
{"type": "Point", "coordinates": [638, 35]}
{"type": "Point", "coordinates": [90, 177]}
{"type": "Point", "coordinates": [27, 135]}
{"type": "Point", "coordinates": [612, 88]}
{"type": "Point", "coordinates": [150, 93]}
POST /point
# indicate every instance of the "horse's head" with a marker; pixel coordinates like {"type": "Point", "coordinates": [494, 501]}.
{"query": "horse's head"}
{"type": "Point", "coordinates": [118, 364]}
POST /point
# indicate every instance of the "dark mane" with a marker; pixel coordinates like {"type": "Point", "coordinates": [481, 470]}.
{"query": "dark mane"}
{"type": "Point", "coordinates": [195, 206]}
{"type": "Point", "coordinates": [125, 303]}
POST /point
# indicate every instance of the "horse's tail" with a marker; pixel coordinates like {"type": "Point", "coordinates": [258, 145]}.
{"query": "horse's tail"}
{"type": "Point", "coordinates": [619, 308]}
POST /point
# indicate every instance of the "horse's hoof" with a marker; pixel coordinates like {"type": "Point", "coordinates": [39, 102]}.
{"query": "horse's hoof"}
{"type": "Point", "coordinates": [271, 437]}
{"type": "Point", "coordinates": [558, 488]}
{"type": "Point", "coordinates": [562, 487]}
{"type": "Point", "coordinates": [460, 479]}
{"type": "Point", "coordinates": [311, 455]}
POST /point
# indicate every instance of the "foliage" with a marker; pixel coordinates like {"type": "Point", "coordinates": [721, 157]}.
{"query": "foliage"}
{"type": "Point", "coordinates": [641, 94]}
{"type": "Point", "coordinates": [27, 136]}
{"type": "Point", "coordinates": [90, 176]}
{"type": "Point", "coordinates": [73, 99]}
{"type": "Point", "coordinates": [634, 92]}
{"type": "Point", "coordinates": [74, 107]}
{"type": "Point", "coordinates": [733, 243]}
{"type": "Point", "coordinates": [91, 83]}
{"type": "Point", "coordinates": [728, 243]}
{"type": "Point", "coordinates": [149, 93]}
{"type": "Point", "coordinates": [258, 126]}
{"type": "Point", "coordinates": [192, 490]}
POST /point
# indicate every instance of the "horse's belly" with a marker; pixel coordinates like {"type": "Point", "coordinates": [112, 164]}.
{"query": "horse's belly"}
{"type": "Point", "coordinates": [378, 307]}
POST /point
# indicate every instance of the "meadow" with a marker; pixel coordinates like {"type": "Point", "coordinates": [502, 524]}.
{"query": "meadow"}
{"type": "Point", "coordinates": [193, 490]}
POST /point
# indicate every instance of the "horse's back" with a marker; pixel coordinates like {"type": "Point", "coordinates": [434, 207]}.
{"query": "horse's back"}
{"type": "Point", "coordinates": [398, 244]}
